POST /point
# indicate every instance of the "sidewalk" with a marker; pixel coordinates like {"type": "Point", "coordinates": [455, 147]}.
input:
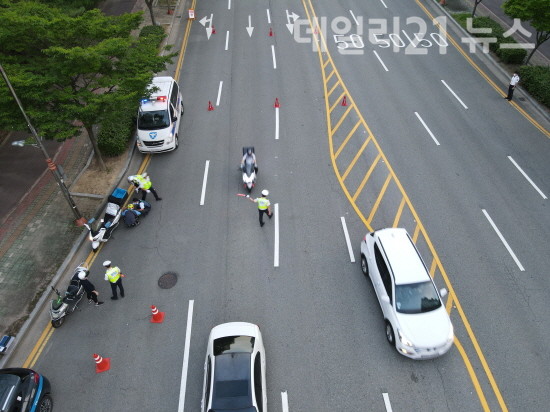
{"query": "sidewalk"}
{"type": "Point", "coordinates": [38, 234]}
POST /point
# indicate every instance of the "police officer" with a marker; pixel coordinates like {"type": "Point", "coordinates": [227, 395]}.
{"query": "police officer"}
{"type": "Point", "coordinates": [114, 277]}
{"type": "Point", "coordinates": [264, 206]}
{"type": "Point", "coordinates": [143, 184]}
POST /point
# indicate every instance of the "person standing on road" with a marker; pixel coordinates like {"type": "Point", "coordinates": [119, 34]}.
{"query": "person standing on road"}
{"type": "Point", "coordinates": [264, 206]}
{"type": "Point", "coordinates": [91, 293]}
{"type": "Point", "coordinates": [513, 82]}
{"type": "Point", "coordinates": [143, 183]}
{"type": "Point", "coordinates": [114, 277]}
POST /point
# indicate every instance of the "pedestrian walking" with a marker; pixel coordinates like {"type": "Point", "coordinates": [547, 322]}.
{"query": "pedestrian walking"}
{"type": "Point", "coordinates": [91, 293]}
{"type": "Point", "coordinates": [264, 206]}
{"type": "Point", "coordinates": [143, 184]}
{"type": "Point", "coordinates": [114, 277]}
{"type": "Point", "coordinates": [513, 82]}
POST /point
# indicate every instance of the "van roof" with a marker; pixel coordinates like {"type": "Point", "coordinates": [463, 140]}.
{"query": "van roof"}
{"type": "Point", "coordinates": [405, 261]}
{"type": "Point", "coordinates": [163, 84]}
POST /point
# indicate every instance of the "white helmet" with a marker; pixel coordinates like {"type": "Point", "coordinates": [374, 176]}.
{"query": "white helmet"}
{"type": "Point", "coordinates": [82, 275]}
{"type": "Point", "coordinates": [265, 192]}
{"type": "Point", "coordinates": [131, 179]}
{"type": "Point", "coordinates": [107, 263]}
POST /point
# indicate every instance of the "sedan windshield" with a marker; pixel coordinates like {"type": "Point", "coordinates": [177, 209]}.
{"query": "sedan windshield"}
{"type": "Point", "coordinates": [153, 120]}
{"type": "Point", "coordinates": [416, 297]}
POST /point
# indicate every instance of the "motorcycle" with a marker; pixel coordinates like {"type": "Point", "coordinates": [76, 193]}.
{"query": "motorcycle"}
{"type": "Point", "coordinates": [101, 230]}
{"type": "Point", "coordinates": [249, 169]}
{"type": "Point", "coordinates": [67, 303]}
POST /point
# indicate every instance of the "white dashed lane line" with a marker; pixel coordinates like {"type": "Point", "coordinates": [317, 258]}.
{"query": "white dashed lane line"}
{"type": "Point", "coordinates": [227, 40]}
{"type": "Point", "coordinates": [219, 93]}
{"type": "Point", "coordinates": [348, 243]}
{"type": "Point", "coordinates": [506, 245]}
{"type": "Point", "coordinates": [273, 54]}
{"type": "Point", "coordinates": [427, 128]}
{"type": "Point", "coordinates": [454, 94]}
{"type": "Point", "coordinates": [276, 242]}
{"type": "Point", "coordinates": [284, 401]}
{"type": "Point", "coordinates": [527, 177]}
{"type": "Point", "coordinates": [380, 60]}
{"type": "Point", "coordinates": [204, 180]}
{"type": "Point", "coordinates": [387, 402]}
{"type": "Point", "coordinates": [183, 382]}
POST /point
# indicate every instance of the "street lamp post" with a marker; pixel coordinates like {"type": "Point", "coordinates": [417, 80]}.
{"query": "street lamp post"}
{"type": "Point", "coordinates": [79, 219]}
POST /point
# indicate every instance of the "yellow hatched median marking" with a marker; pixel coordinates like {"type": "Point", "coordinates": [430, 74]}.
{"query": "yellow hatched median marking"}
{"type": "Point", "coordinates": [341, 119]}
{"type": "Point", "coordinates": [347, 138]}
{"type": "Point", "coordinates": [367, 176]}
{"type": "Point", "coordinates": [399, 212]}
{"type": "Point", "coordinates": [419, 229]}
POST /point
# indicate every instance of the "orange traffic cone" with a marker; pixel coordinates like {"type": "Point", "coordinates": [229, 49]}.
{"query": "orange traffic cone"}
{"type": "Point", "coordinates": [276, 103]}
{"type": "Point", "coordinates": [344, 101]}
{"type": "Point", "coordinates": [158, 317]}
{"type": "Point", "coordinates": [210, 107]}
{"type": "Point", "coordinates": [101, 364]}
{"type": "Point", "coordinates": [270, 32]}
{"type": "Point", "coordinates": [213, 30]}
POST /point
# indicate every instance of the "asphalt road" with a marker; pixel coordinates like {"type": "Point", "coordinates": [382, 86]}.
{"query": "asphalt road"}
{"type": "Point", "coordinates": [322, 327]}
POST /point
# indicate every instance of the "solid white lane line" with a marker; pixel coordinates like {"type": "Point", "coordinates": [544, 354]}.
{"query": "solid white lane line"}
{"type": "Point", "coordinates": [527, 177]}
{"type": "Point", "coordinates": [227, 40]}
{"type": "Point", "coordinates": [276, 123]}
{"type": "Point", "coordinates": [284, 400]}
{"type": "Point", "coordinates": [384, 4]}
{"type": "Point", "coordinates": [276, 247]}
{"type": "Point", "coordinates": [380, 60]}
{"type": "Point", "coordinates": [346, 235]}
{"type": "Point", "coordinates": [219, 93]}
{"type": "Point", "coordinates": [228, 4]}
{"type": "Point", "coordinates": [427, 128]}
{"type": "Point", "coordinates": [353, 15]}
{"type": "Point", "coordinates": [503, 240]}
{"type": "Point", "coordinates": [204, 179]}
{"type": "Point", "coordinates": [268, 16]}
{"type": "Point", "coordinates": [183, 383]}
{"type": "Point", "coordinates": [454, 94]}
{"type": "Point", "coordinates": [387, 402]}
{"type": "Point", "coordinates": [274, 59]}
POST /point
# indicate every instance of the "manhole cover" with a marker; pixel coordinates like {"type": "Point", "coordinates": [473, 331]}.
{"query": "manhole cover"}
{"type": "Point", "coordinates": [168, 280]}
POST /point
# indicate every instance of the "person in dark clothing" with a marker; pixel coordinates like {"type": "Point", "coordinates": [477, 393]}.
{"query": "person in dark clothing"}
{"type": "Point", "coordinates": [91, 293]}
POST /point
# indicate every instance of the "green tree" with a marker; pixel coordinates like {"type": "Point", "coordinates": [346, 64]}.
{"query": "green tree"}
{"type": "Point", "coordinates": [536, 12]}
{"type": "Point", "coordinates": [71, 72]}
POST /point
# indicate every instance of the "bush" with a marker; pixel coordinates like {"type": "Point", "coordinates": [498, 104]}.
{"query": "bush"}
{"type": "Point", "coordinates": [536, 80]}
{"type": "Point", "coordinates": [512, 56]}
{"type": "Point", "coordinates": [116, 131]}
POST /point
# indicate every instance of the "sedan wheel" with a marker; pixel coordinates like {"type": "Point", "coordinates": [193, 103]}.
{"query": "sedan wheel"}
{"type": "Point", "coordinates": [46, 404]}
{"type": "Point", "coordinates": [390, 336]}
{"type": "Point", "coordinates": [364, 266]}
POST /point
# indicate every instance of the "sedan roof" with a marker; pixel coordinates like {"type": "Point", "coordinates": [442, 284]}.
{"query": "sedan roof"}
{"type": "Point", "coordinates": [232, 382]}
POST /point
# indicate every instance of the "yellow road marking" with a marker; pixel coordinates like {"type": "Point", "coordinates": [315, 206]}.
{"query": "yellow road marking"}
{"type": "Point", "coordinates": [341, 119]}
{"type": "Point", "coordinates": [357, 155]}
{"type": "Point", "coordinates": [333, 87]}
{"type": "Point", "coordinates": [338, 100]}
{"type": "Point", "coordinates": [399, 212]}
{"type": "Point", "coordinates": [379, 198]}
{"type": "Point", "coordinates": [419, 229]}
{"type": "Point", "coordinates": [367, 176]}
{"type": "Point", "coordinates": [351, 133]}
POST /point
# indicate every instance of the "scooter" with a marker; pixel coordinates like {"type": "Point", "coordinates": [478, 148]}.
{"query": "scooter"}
{"type": "Point", "coordinates": [249, 170]}
{"type": "Point", "coordinates": [66, 304]}
{"type": "Point", "coordinates": [101, 230]}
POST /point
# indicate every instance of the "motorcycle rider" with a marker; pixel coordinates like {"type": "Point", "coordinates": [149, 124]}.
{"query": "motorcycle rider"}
{"type": "Point", "coordinates": [91, 293]}
{"type": "Point", "coordinates": [249, 154]}
{"type": "Point", "coordinates": [131, 216]}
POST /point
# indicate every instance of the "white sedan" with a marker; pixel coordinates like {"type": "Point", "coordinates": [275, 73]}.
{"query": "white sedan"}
{"type": "Point", "coordinates": [234, 369]}
{"type": "Point", "coordinates": [416, 321]}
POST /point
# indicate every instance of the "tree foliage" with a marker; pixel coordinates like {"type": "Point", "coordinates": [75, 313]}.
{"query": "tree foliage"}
{"type": "Point", "coordinates": [536, 12]}
{"type": "Point", "coordinates": [71, 71]}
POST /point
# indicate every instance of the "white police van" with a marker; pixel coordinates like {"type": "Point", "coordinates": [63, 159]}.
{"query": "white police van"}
{"type": "Point", "coordinates": [159, 117]}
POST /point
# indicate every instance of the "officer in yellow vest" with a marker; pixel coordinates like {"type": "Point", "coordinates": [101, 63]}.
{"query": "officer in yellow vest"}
{"type": "Point", "coordinates": [143, 184]}
{"type": "Point", "coordinates": [264, 206]}
{"type": "Point", "coordinates": [114, 277]}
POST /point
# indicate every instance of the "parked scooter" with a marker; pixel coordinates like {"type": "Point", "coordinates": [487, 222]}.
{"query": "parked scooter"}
{"type": "Point", "coordinates": [66, 304]}
{"type": "Point", "coordinates": [101, 230]}
{"type": "Point", "coordinates": [249, 168]}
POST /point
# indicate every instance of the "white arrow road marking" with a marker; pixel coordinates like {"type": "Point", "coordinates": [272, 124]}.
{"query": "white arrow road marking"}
{"type": "Point", "coordinates": [276, 247]}
{"type": "Point", "coordinates": [291, 18]}
{"type": "Point", "coordinates": [454, 94]}
{"type": "Point", "coordinates": [250, 29]}
{"type": "Point", "coordinates": [527, 177]}
{"type": "Point", "coordinates": [204, 180]}
{"type": "Point", "coordinates": [284, 400]}
{"type": "Point", "coordinates": [204, 20]}
{"type": "Point", "coordinates": [427, 128]}
{"type": "Point", "coordinates": [387, 402]}
{"type": "Point", "coordinates": [346, 235]}
{"type": "Point", "coordinates": [508, 248]}
{"type": "Point", "coordinates": [183, 383]}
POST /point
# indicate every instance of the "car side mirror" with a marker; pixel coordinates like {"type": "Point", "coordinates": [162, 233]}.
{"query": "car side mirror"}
{"type": "Point", "coordinates": [385, 299]}
{"type": "Point", "coordinates": [443, 292]}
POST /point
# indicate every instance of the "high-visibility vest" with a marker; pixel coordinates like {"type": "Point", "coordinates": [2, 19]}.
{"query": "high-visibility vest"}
{"type": "Point", "coordinates": [113, 274]}
{"type": "Point", "coordinates": [144, 183]}
{"type": "Point", "coordinates": [263, 203]}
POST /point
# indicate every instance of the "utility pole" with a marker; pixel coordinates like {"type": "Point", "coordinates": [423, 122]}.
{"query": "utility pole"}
{"type": "Point", "coordinates": [79, 220]}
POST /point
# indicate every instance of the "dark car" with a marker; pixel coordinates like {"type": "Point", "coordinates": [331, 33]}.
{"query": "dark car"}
{"type": "Point", "coordinates": [24, 390]}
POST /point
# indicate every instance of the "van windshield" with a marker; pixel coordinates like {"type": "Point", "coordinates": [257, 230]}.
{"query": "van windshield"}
{"type": "Point", "coordinates": [153, 120]}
